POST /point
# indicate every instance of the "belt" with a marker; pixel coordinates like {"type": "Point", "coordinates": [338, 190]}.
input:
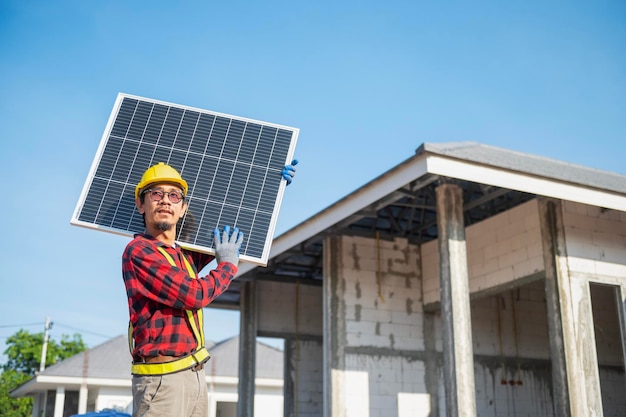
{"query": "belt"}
{"type": "Point", "coordinates": [164, 359]}
{"type": "Point", "coordinates": [161, 365]}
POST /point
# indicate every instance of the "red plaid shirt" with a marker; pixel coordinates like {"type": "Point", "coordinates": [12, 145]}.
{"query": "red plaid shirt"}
{"type": "Point", "coordinates": [159, 293]}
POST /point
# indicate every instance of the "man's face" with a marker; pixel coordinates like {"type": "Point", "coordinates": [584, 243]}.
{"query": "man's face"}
{"type": "Point", "coordinates": [160, 212]}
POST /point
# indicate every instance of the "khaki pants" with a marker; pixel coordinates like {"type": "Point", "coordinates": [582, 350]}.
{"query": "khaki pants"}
{"type": "Point", "coordinates": [182, 394]}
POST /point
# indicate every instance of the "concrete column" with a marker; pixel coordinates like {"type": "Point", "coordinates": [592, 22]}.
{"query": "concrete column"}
{"type": "Point", "coordinates": [334, 330]}
{"type": "Point", "coordinates": [575, 375]}
{"type": "Point", "coordinates": [247, 349]}
{"type": "Point", "coordinates": [59, 402]}
{"type": "Point", "coordinates": [289, 376]}
{"type": "Point", "coordinates": [82, 399]}
{"type": "Point", "coordinates": [458, 355]}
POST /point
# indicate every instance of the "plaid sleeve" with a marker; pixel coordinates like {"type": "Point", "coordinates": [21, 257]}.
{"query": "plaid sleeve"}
{"type": "Point", "coordinates": [149, 273]}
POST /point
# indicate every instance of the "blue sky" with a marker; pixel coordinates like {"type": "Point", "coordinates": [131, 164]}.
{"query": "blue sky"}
{"type": "Point", "coordinates": [365, 82]}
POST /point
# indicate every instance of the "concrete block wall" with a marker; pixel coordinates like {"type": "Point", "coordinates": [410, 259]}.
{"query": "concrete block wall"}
{"type": "Point", "coordinates": [530, 398]}
{"type": "Point", "coordinates": [382, 354]}
{"type": "Point", "coordinates": [384, 362]}
{"type": "Point", "coordinates": [527, 358]}
{"type": "Point", "coordinates": [302, 331]}
{"type": "Point", "coordinates": [378, 383]}
{"type": "Point", "coordinates": [277, 309]}
{"type": "Point", "coordinates": [383, 378]}
{"type": "Point", "coordinates": [307, 376]}
{"type": "Point", "coordinates": [511, 353]}
{"type": "Point", "coordinates": [596, 241]}
{"type": "Point", "coordinates": [502, 249]}
{"type": "Point", "coordinates": [382, 294]}
{"type": "Point", "coordinates": [521, 329]}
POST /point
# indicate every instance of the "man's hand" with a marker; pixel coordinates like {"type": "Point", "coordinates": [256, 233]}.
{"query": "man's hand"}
{"type": "Point", "coordinates": [289, 171]}
{"type": "Point", "coordinates": [227, 247]}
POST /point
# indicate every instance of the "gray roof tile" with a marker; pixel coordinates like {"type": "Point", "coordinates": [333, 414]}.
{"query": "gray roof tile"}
{"type": "Point", "coordinates": [527, 163]}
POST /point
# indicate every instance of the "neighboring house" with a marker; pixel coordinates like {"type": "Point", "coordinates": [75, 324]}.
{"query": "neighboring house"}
{"type": "Point", "coordinates": [99, 378]}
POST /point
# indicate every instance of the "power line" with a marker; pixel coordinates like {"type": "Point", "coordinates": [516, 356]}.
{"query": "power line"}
{"type": "Point", "coordinates": [3, 326]}
{"type": "Point", "coordinates": [57, 324]}
{"type": "Point", "coordinates": [81, 330]}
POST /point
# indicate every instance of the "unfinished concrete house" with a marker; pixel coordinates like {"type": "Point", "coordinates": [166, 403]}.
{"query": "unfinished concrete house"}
{"type": "Point", "coordinates": [466, 281]}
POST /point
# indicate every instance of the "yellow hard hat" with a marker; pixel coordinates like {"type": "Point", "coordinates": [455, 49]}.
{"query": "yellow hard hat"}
{"type": "Point", "coordinates": [160, 172]}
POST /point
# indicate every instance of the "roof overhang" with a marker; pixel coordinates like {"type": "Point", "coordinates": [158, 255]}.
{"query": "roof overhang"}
{"type": "Point", "coordinates": [526, 173]}
{"type": "Point", "coordinates": [41, 383]}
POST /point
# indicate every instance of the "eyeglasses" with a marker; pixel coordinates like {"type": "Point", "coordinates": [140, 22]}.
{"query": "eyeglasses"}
{"type": "Point", "coordinates": [158, 194]}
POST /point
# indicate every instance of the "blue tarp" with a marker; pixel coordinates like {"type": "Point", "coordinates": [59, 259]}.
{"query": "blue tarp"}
{"type": "Point", "coordinates": [103, 413]}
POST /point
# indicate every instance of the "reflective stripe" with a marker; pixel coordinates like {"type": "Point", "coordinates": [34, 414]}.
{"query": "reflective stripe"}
{"type": "Point", "coordinates": [200, 355]}
{"type": "Point", "coordinates": [197, 332]}
{"type": "Point", "coordinates": [186, 362]}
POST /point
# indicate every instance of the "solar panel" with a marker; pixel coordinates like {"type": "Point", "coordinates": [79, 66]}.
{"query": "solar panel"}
{"type": "Point", "coordinates": [232, 166]}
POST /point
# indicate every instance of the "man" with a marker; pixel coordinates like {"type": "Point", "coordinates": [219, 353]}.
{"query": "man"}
{"type": "Point", "coordinates": [166, 297]}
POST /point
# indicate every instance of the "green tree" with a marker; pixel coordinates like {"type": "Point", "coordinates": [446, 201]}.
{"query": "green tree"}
{"type": "Point", "coordinates": [24, 350]}
{"type": "Point", "coordinates": [23, 359]}
{"type": "Point", "coordinates": [13, 407]}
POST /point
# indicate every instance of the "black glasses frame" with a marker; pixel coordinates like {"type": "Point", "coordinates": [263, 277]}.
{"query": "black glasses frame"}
{"type": "Point", "coordinates": [157, 194]}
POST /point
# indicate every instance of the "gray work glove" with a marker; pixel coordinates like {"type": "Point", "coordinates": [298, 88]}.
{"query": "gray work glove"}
{"type": "Point", "coordinates": [227, 247]}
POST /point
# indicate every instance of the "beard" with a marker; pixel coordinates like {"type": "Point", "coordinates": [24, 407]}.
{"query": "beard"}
{"type": "Point", "coordinates": [163, 226]}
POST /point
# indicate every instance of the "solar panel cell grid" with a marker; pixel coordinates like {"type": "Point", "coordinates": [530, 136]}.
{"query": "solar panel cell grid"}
{"type": "Point", "coordinates": [231, 164]}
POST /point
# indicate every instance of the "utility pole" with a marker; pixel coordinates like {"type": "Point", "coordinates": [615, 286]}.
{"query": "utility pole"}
{"type": "Point", "coordinates": [44, 348]}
